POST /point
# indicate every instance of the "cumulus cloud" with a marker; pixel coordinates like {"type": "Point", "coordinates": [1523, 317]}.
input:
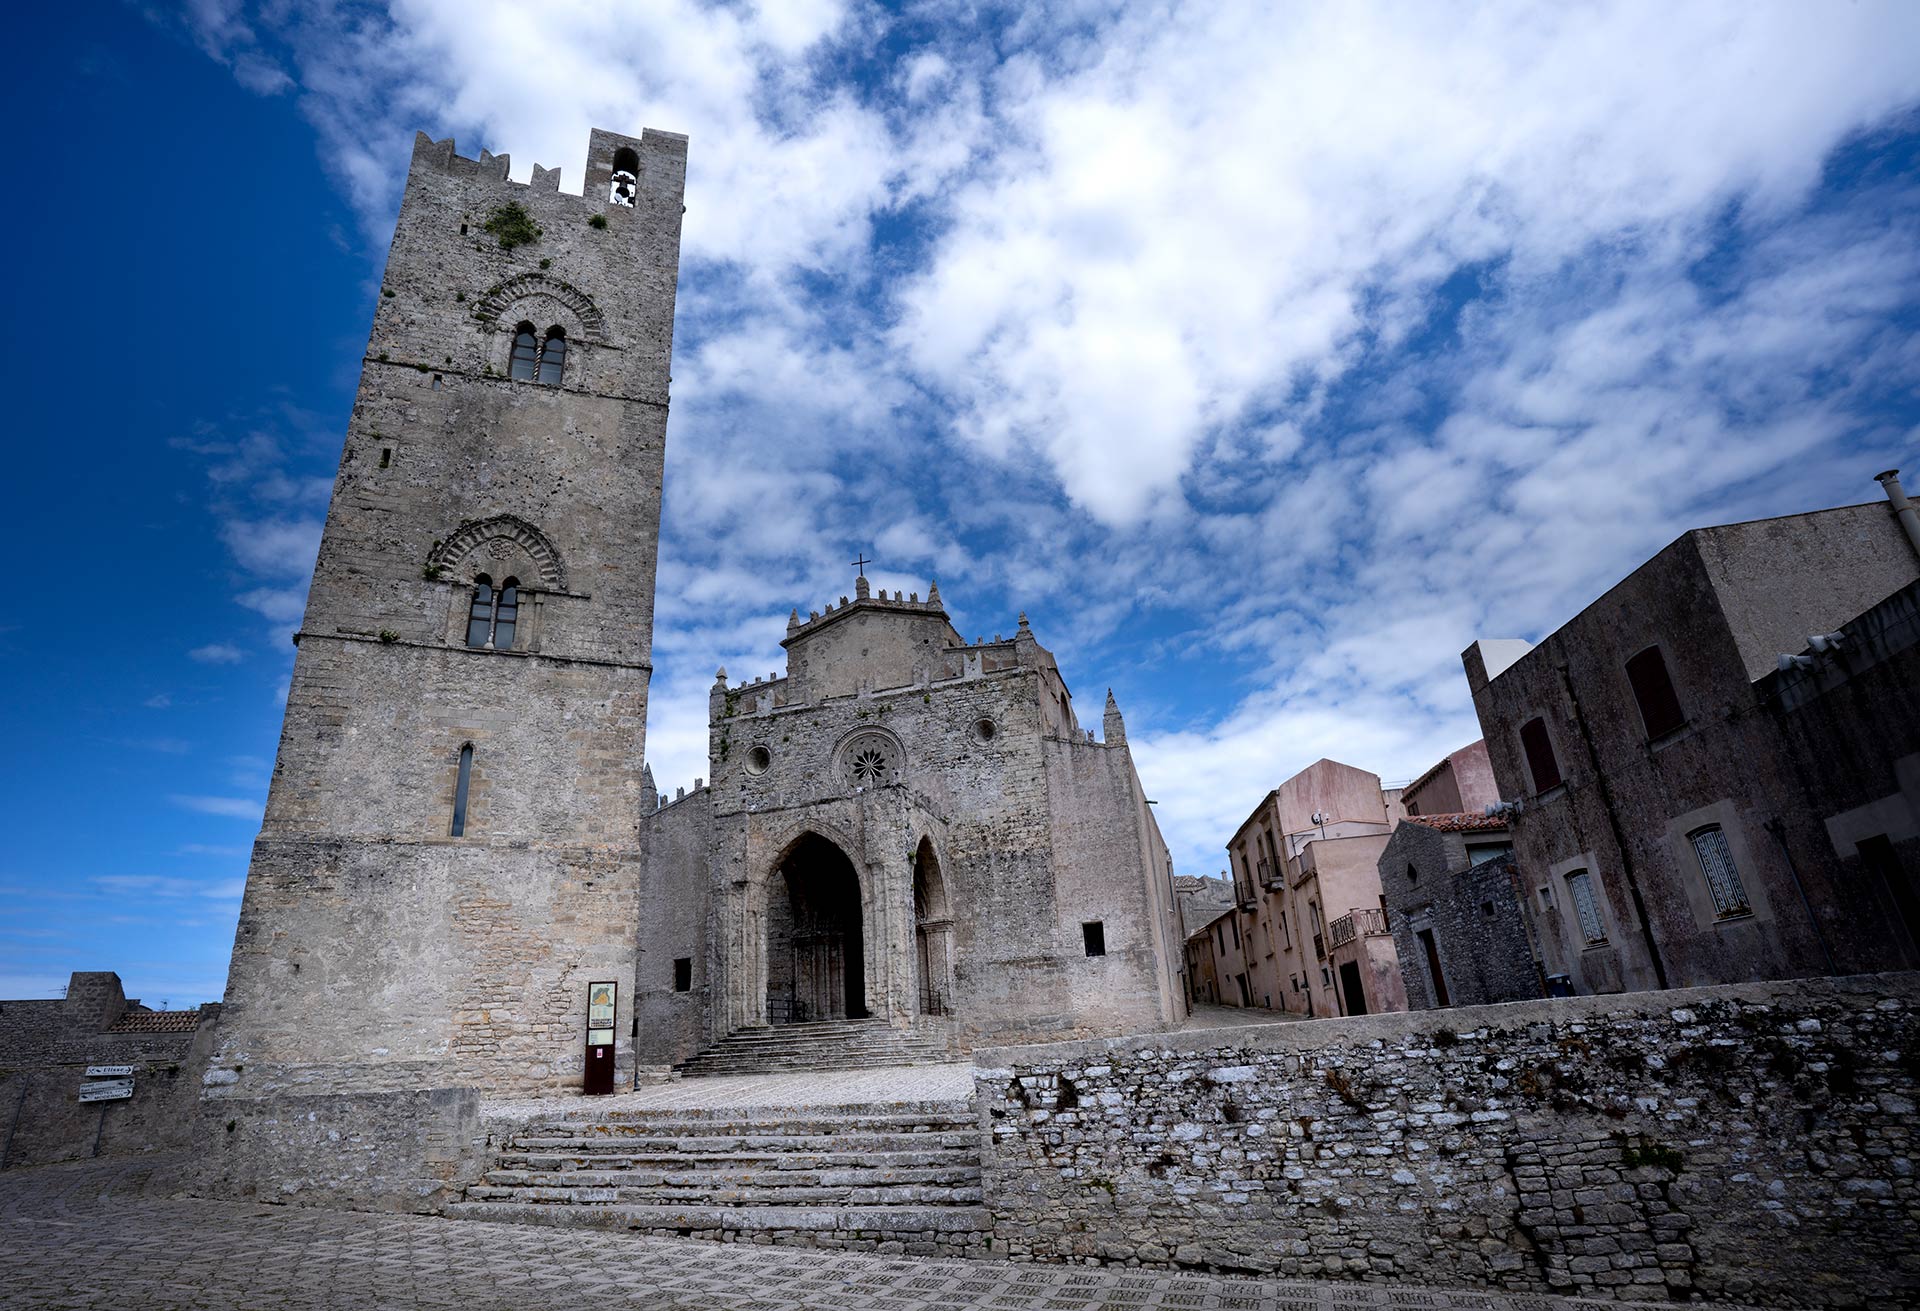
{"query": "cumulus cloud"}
{"type": "Point", "coordinates": [1266, 355]}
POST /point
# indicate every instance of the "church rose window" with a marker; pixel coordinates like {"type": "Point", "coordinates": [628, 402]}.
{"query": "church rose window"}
{"type": "Point", "coordinates": [869, 766]}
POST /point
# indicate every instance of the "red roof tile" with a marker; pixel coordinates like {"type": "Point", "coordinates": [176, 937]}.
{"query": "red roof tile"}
{"type": "Point", "coordinates": [1460, 823]}
{"type": "Point", "coordinates": [156, 1022]}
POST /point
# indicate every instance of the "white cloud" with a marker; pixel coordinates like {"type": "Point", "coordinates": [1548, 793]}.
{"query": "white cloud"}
{"type": "Point", "coordinates": [282, 548]}
{"type": "Point", "coordinates": [217, 653]}
{"type": "Point", "coordinates": [230, 807]}
{"type": "Point", "coordinates": [1168, 351]}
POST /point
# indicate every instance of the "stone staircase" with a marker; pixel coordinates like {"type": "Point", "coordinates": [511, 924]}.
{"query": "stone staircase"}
{"type": "Point", "coordinates": [825, 1045]}
{"type": "Point", "coordinates": [888, 1176]}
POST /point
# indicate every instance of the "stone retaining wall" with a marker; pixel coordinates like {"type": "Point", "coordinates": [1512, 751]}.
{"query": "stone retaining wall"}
{"type": "Point", "coordinates": [382, 1151]}
{"type": "Point", "coordinates": [1750, 1142]}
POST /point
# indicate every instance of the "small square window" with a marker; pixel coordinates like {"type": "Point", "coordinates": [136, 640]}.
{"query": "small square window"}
{"type": "Point", "coordinates": [1095, 934]}
{"type": "Point", "coordinates": [683, 974]}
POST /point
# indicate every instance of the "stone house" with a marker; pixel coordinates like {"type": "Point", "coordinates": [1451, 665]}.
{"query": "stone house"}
{"type": "Point", "coordinates": [47, 1047]}
{"type": "Point", "coordinates": [1683, 811]}
{"type": "Point", "coordinates": [1306, 879]}
{"type": "Point", "coordinates": [1457, 911]}
{"type": "Point", "coordinates": [912, 828]}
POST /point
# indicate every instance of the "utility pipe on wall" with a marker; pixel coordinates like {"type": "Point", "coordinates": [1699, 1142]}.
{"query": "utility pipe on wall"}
{"type": "Point", "coordinates": [1902, 507]}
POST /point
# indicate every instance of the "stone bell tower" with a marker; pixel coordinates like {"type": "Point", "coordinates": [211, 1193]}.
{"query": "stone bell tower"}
{"type": "Point", "coordinates": [449, 853]}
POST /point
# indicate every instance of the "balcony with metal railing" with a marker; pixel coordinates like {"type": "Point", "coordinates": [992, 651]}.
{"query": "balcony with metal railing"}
{"type": "Point", "coordinates": [1361, 921]}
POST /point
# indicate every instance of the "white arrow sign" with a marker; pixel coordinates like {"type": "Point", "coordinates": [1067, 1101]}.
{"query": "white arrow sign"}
{"type": "Point", "coordinates": [109, 1071]}
{"type": "Point", "coordinates": [106, 1090]}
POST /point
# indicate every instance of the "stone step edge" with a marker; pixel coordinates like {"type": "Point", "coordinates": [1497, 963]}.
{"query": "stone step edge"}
{"type": "Point", "coordinates": [734, 1181]}
{"type": "Point", "coordinates": [841, 1219]}
{"type": "Point", "coordinates": [933, 1107]}
{"type": "Point", "coordinates": [781, 1162]}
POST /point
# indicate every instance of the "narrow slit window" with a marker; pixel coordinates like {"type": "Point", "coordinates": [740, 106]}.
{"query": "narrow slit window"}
{"type": "Point", "coordinates": [1723, 876]}
{"type": "Point", "coordinates": [683, 974]}
{"type": "Point", "coordinates": [1585, 908]}
{"type": "Point", "coordinates": [460, 791]}
{"type": "Point", "coordinates": [386, 456]}
{"type": "Point", "coordinates": [1541, 762]}
{"type": "Point", "coordinates": [526, 354]}
{"type": "Point", "coordinates": [553, 357]}
{"type": "Point", "coordinates": [1094, 934]}
{"type": "Point", "coordinates": [1653, 690]}
{"type": "Point", "coordinates": [480, 613]}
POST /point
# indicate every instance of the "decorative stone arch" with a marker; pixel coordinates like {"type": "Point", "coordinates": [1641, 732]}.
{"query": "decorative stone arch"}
{"type": "Point", "coordinates": [932, 931]}
{"type": "Point", "coordinates": [543, 300]}
{"type": "Point", "coordinates": [816, 939]}
{"type": "Point", "coordinates": [504, 546]}
{"type": "Point", "coordinates": [869, 757]}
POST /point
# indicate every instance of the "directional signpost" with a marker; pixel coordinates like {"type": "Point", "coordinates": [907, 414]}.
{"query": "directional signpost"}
{"type": "Point", "coordinates": [106, 1090]}
{"type": "Point", "coordinates": [107, 1083]}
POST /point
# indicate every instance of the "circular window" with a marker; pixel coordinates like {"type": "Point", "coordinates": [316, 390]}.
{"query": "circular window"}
{"type": "Point", "coordinates": [869, 759]}
{"type": "Point", "coordinates": [869, 766]}
{"type": "Point", "coordinates": [759, 760]}
{"type": "Point", "coordinates": [983, 730]}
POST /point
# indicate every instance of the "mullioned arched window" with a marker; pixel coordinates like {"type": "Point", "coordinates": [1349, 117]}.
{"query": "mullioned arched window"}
{"type": "Point", "coordinates": [537, 359]}
{"type": "Point", "coordinates": [493, 615]}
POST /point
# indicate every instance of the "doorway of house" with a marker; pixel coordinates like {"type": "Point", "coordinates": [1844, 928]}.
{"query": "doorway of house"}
{"type": "Point", "coordinates": [1354, 991]}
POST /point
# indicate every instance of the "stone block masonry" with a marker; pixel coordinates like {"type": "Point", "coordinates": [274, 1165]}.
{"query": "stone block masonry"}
{"type": "Point", "coordinates": [1752, 1142]}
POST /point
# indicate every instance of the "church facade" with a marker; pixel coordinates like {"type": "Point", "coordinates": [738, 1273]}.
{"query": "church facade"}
{"type": "Point", "coordinates": [908, 827]}
{"type": "Point", "coordinates": [461, 838]}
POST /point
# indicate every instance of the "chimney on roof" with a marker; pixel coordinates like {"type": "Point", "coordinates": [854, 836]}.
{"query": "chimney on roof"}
{"type": "Point", "coordinates": [1902, 507]}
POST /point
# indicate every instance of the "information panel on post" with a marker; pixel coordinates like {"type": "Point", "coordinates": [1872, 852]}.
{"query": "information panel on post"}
{"type": "Point", "coordinates": [602, 1002]}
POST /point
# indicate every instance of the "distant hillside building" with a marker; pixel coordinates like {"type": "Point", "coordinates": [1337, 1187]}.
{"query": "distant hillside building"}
{"type": "Point", "coordinates": [1713, 771]}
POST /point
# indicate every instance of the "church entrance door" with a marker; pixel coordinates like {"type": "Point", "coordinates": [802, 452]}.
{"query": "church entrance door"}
{"type": "Point", "coordinates": [816, 955]}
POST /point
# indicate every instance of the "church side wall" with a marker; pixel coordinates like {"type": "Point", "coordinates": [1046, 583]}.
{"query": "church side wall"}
{"type": "Point", "coordinates": [1746, 1143]}
{"type": "Point", "coordinates": [1108, 866]}
{"type": "Point", "coordinates": [675, 877]}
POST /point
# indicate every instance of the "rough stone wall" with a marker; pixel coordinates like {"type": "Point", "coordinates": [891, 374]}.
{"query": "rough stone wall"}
{"type": "Point", "coordinates": [1750, 1142]}
{"type": "Point", "coordinates": [1626, 805]}
{"type": "Point", "coordinates": [1474, 913]}
{"type": "Point", "coordinates": [374, 947]}
{"type": "Point", "coordinates": [412, 1150]}
{"type": "Point", "coordinates": [675, 910]}
{"type": "Point", "coordinates": [45, 1050]}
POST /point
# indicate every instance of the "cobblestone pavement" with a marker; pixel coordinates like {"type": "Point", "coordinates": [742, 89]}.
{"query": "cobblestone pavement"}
{"type": "Point", "coordinates": [104, 1235]}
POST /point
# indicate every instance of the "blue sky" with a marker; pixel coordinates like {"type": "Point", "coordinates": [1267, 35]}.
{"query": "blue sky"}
{"type": "Point", "coordinates": [1265, 356]}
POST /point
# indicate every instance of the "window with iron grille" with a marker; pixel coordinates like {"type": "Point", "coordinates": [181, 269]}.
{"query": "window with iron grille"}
{"type": "Point", "coordinates": [1723, 879]}
{"type": "Point", "coordinates": [1580, 890]}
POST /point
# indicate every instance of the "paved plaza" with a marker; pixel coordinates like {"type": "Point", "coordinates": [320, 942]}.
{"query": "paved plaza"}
{"type": "Point", "coordinates": [106, 1235]}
